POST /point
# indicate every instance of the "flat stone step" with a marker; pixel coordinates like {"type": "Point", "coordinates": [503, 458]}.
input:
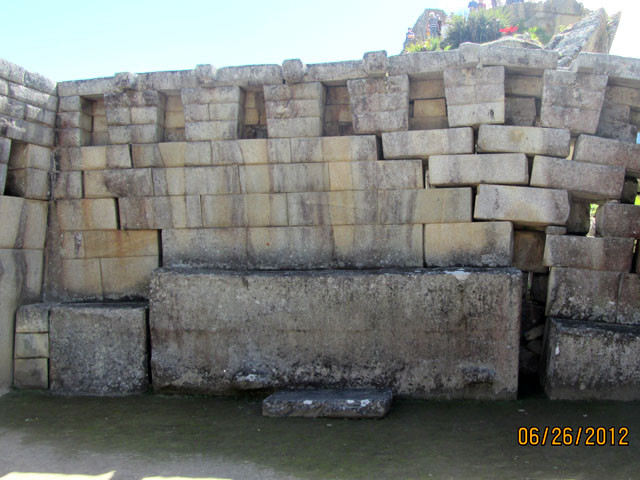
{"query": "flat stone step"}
{"type": "Point", "coordinates": [361, 403]}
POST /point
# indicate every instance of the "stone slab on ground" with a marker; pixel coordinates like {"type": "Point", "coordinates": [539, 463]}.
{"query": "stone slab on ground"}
{"type": "Point", "coordinates": [362, 403]}
{"type": "Point", "coordinates": [591, 361]}
{"type": "Point", "coordinates": [99, 349]}
{"type": "Point", "coordinates": [423, 333]}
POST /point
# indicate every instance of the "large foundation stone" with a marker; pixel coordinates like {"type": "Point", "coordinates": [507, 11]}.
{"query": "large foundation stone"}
{"type": "Point", "coordinates": [423, 333]}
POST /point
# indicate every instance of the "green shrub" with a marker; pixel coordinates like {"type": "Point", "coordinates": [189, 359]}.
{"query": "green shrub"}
{"type": "Point", "coordinates": [538, 34]}
{"type": "Point", "coordinates": [478, 27]}
{"type": "Point", "coordinates": [429, 45]}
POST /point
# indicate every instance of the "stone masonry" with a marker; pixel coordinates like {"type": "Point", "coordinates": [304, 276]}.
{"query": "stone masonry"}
{"type": "Point", "coordinates": [419, 185]}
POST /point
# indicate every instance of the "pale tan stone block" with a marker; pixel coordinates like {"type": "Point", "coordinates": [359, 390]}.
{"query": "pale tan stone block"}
{"type": "Point", "coordinates": [128, 276]}
{"type": "Point", "coordinates": [426, 89]}
{"type": "Point", "coordinates": [252, 210]}
{"type": "Point", "coordinates": [462, 170]}
{"type": "Point", "coordinates": [522, 205]}
{"type": "Point", "coordinates": [212, 180]}
{"type": "Point", "coordinates": [332, 208]}
{"type": "Point", "coordinates": [450, 205]}
{"type": "Point", "coordinates": [481, 244]}
{"type": "Point", "coordinates": [33, 318]}
{"type": "Point", "coordinates": [67, 185]}
{"type": "Point", "coordinates": [300, 177]}
{"type": "Point", "coordinates": [530, 140]}
{"type": "Point", "coordinates": [430, 108]}
{"type": "Point", "coordinates": [172, 154]}
{"type": "Point", "coordinates": [158, 213]}
{"type": "Point", "coordinates": [34, 225]}
{"type": "Point", "coordinates": [28, 183]}
{"type": "Point", "coordinates": [110, 243]}
{"type": "Point", "coordinates": [379, 175]}
{"type": "Point", "coordinates": [523, 85]}
{"type": "Point", "coordinates": [174, 120]}
{"type": "Point", "coordinates": [11, 209]}
{"type": "Point", "coordinates": [87, 214]}
{"type": "Point", "coordinates": [169, 181]}
{"type": "Point", "coordinates": [81, 278]}
{"type": "Point", "coordinates": [371, 246]}
{"type": "Point", "coordinates": [31, 345]}
{"type": "Point", "coordinates": [289, 247]}
{"type": "Point", "coordinates": [27, 155]}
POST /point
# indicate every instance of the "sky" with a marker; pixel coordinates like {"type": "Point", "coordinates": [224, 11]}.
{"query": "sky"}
{"type": "Point", "coordinates": [77, 39]}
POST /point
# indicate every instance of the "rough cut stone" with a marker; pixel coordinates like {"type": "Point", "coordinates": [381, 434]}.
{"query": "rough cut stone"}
{"type": "Point", "coordinates": [610, 253]}
{"type": "Point", "coordinates": [424, 143]}
{"type": "Point", "coordinates": [379, 104]}
{"type": "Point", "coordinates": [33, 318]}
{"type": "Point", "coordinates": [446, 205]}
{"type": "Point", "coordinates": [618, 220]}
{"type": "Point", "coordinates": [364, 403]}
{"type": "Point", "coordinates": [31, 345]}
{"type": "Point", "coordinates": [528, 251]}
{"type": "Point", "coordinates": [99, 349]}
{"type": "Point", "coordinates": [590, 361]}
{"type": "Point", "coordinates": [341, 319]}
{"type": "Point", "coordinates": [481, 244]}
{"type": "Point", "coordinates": [585, 181]}
{"type": "Point", "coordinates": [530, 140]}
{"type": "Point", "coordinates": [629, 300]}
{"type": "Point", "coordinates": [31, 373]}
{"type": "Point", "coordinates": [606, 151]}
{"type": "Point", "coordinates": [94, 214]}
{"type": "Point", "coordinates": [379, 175]}
{"type": "Point", "coordinates": [520, 111]}
{"type": "Point", "coordinates": [583, 294]}
{"type": "Point", "coordinates": [475, 96]}
{"type": "Point", "coordinates": [522, 205]}
{"type": "Point", "coordinates": [463, 170]}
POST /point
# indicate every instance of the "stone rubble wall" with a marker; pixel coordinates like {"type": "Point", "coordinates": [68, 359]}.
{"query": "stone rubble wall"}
{"type": "Point", "coordinates": [485, 156]}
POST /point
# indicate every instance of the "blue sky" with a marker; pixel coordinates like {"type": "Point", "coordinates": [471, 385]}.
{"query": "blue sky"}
{"type": "Point", "coordinates": [85, 39]}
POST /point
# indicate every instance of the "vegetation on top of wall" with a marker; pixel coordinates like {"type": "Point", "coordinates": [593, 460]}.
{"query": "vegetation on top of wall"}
{"type": "Point", "coordinates": [478, 27]}
{"type": "Point", "coordinates": [429, 45]}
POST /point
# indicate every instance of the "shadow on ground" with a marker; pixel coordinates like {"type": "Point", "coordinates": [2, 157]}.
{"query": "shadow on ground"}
{"type": "Point", "coordinates": [419, 439]}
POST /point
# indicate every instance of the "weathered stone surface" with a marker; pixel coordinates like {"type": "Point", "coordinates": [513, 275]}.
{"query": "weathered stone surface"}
{"type": "Point", "coordinates": [515, 60]}
{"type": "Point", "coordinates": [109, 244]}
{"type": "Point", "coordinates": [299, 177]}
{"type": "Point", "coordinates": [379, 175]}
{"type": "Point", "coordinates": [379, 104]}
{"type": "Point", "coordinates": [621, 70]}
{"type": "Point", "coordinates": [67, 185]}
{"type": "Point", "coordinates": [362, 403]}
{"type": "Point", "coordinates": [251, 210]}
{"type": "Point", "coordinates": [334, 73]}
{"type": "Point", "coordinates": [529, 140]}
{"type": "Point", "coordinates": [528, 251]}
{"type": "Point", "coordinates": [330, 208]}
{"type": "Point", "coordinates": [293, 70]}
{"type": "Point", "coordinates": [413, 361]}
{"type": "Point", "coordinates": [618, 220]}
{"type": "Point", "coordinates": [154, 213]}
{"type": "Point", "coordinates": [584, 181]}
{"type": "Point", "coordinates": [629, 300]}
{"type": "Point", "coordinates": [94, 214]}
{"type": "Point", "coordinates": [99, 349]}
{"type": "Point", "coordinates": [450, 205]}
{"type": "Point", "coordinates": [475, 96]}
{"type": "Point", "coordinates": [94, 158]}
{"type": "Point", "coordinates": [481, 244]}
{"type": "Point", "coordinates": [33, 318]}
{"type": "Point", "coordinates": [583, 294]}
{"type": "Point", "coordinates": [606, 151]}
{"type": "Point", "coordinates": [375, 64]}
{"type": "Point", "coordinates": [24, 223]}
{"type": "Point", "coordinates": [28, 183]}
{"type": "Point", "coordinates": [424, 143]}
{"type": "Point", "coordinates": [579, 221]}
{"type": "Point", "coordinates": [463, 170]}
{"type": "Point", "coordinates": [428, 65]}
{"type": "Point", "coordinates": [31, 345]}
{"type": "Point", "coordinates": [31, 373]}
{"type": "Point", "coordinates": [134, 182]}
{"type": "Point", "coordinates": [555, 230]}
{"type": "Point", "coordinates": [572, 100]}
{"type": "Point", "coordinates": [590, 361]}
{"type": "Point", "coordinates": [520, 111]}
{"type": "Point", "coordinates": [523, 85]}
{"type": "Point", "coordinates": [610, 254]}
{"type": "Point", "coordinates": [522, 205]}
{"type": "Point", "coordinates": [127, 278]}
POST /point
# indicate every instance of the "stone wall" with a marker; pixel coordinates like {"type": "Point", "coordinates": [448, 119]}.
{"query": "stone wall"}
{"type": "Point", "coordinates": [484, 157]}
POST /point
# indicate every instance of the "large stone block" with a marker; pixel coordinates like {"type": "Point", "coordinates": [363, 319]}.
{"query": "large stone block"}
{"type": "Point", "coordinates": [31, 373]}
{"type": "Point", "coordinates": [299, 177]}
{"type": "Point", "coordinates": [127, 277]}
{"type": "Point", "coordinates": [156, 213]}
{"type": "Point", "coordinates": [584, 181]}
{"type": "Point", "coordinates": [529, 140]}
{"type": "Point", "coordinates": [215, 247]}
{"type": "Point", "coordinates": [590, 361]}
{"type": "Point", "coordinates": [457, 339]}
{"type": "Point", "coordinates": [475, 96]}
{"type": "Point", "coordinates": [523, 86]}
{"type": "Point", "coordinates": [520, 111]}
{"type": "Point", "coordinates": [89, 214]}
{"type": "Point", "coordinates": [379, 175]}
{"type": "Point", "coordinates": [109, 244]}
{"type": "Point", "coordinates": [252, 210]}
{"type": "Point", "coordinates": [628, 312]}
{"type": "Point", "coordinates": [28, 183]}
{"type": "Point", "coordinates": [26, 155]}
{"type": "Point", "coordinates": [24, 223]}
{"type": "Point", "coordinates": [332, 208]}
{"type": "Point", "coordinates": [528, 251]}
{"type": "Point", "coordinates": [379, 104]}
{"type": "Point", "coordinates": [99, 349]}
{"type": "Point", "coordinates": [572, 100]}
{"type": "Point", "coordinates": [450, 205]}
{"type": "Point", "coordinates": [583, 294]}
{"type": "Point", "coordinates": [67, 185]}
{"type": "Point", "coordinates": [610, 254]}
{"type": "Point", "coordinates": [133, 182]}
{"type": "Point", "coordinates": [522, 205]}
{"type": "Point", "coordinates": [618, 220]}
{"type": "Point", "coordinates": [33, 318]}
{"type": "Point", "coordinates": [323, 149]}
{"type": "Point", "coordinates": [94, 158]}
{"type": "Point", "coordinates": [424, 143]}
{"type": "Point", "coordinates": [31, 345]}
{"type": "Point", "coordinates": [606, 151]}
{"type": "Point", "coordinates": [463, 170]}
{"type": "Point", "coordinates": [482, 244]}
